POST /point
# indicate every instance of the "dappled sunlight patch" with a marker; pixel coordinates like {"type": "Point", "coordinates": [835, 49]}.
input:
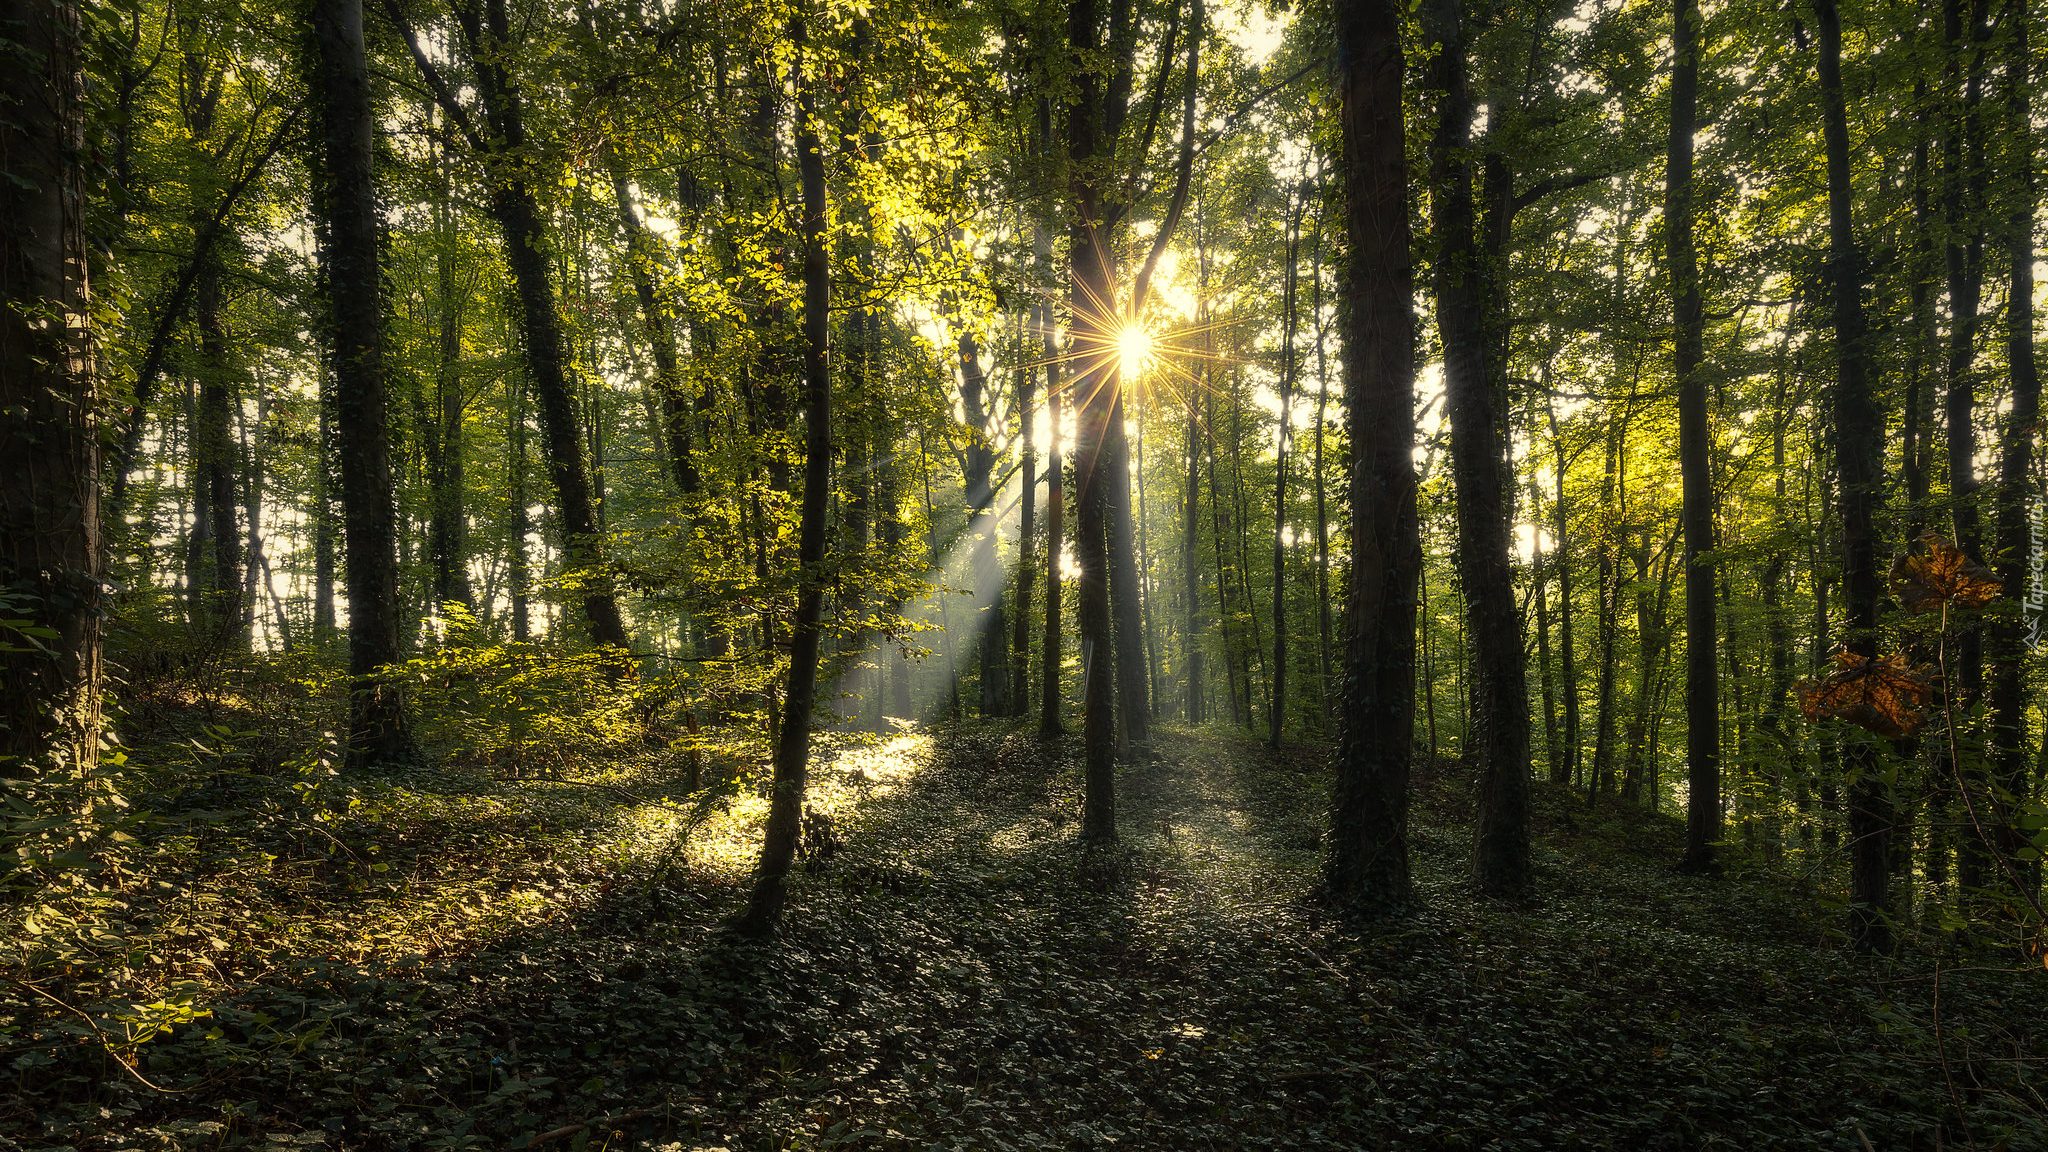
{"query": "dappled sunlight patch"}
{"type": "Point", "coordinates": [847, 771]}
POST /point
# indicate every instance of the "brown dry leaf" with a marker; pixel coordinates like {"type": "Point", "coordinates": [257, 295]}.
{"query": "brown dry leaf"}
{"type": "Point", "coordinates": [1942, 573]}
{"type": "Point", "coordinates": [1881, 694]}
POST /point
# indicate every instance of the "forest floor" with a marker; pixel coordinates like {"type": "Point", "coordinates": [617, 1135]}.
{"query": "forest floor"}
{"type": "Point", "coordinates": [481, 963]}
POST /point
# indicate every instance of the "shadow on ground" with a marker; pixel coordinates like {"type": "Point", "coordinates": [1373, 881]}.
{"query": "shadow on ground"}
{"type": "Point", "coordinates": [962, 974]}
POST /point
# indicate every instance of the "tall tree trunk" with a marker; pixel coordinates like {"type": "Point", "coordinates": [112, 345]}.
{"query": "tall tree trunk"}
{"type": "Point", "coordinates": [1219, 524]}
{"type": "Point", "coordinates": [1326, 683]}
{"type": "Point", "coordinates": [982, 529]}
{"type": "Point", "coordinates": [644, 261]}
{"type": "Point", "coordinates": [2016, 456]}
{"type": "Point", "coordinates": [1054, 641]}
{"type": "Point", "coordinates": [1191, 563]}
{"type": "Point", "coordinates": [1859, 456]}
{"type": "Point", "coordinates": [1243, 518]}
{"type": "Point", "coordinates": [1601, 776]}
{"type": "Point", "coordinates": [1091, 298]}
{"type": "Point", "coordinates": [793, 747]}
{"type": "Point", "coordinates": [1366, 864]}
{"type": "Point", "coordinates": [1539, 574]}
{"type": "Point", "coordinates": [1923, 355]}
{"type": "Point", "coordinates": [1134, 713]}
{"type": "Point", "coordinates": [448, 529]}
{"type": "Point", "coordinates": [1702, 695]}
{"type": "Point", "coordinates": [519, 580]}
{"type": "Point", "coordinates": [1963, 196]}
{"type": "Point", "coordinates": [551, 371]}
{"type": "Point", "coordinates": [1276, 716]}
{"type": "Point", "coordinates": [378, 730]}
{"type": "Point", "coordinates": [252, 453]}
{"type": "Point", "coordinates": [1027, 555]}
{"type": "Point", "coordinates": [1499, 732]}
{"type": "Point", "coordinates": [52, 563]}
{"type": "Point", "coordinates": [1568, 772]}
{"type": "Point", "coordinates": [217, 577]}
{"type": "Point", "coordinates": [323, 517]}
{"type": "Point", "coordinates": [1145, 565]}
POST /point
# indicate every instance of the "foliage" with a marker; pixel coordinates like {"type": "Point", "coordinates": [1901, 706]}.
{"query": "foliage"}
{"type": "Point", "coordinates": [961, 973]}
{"type": "Point", "coordinates": [1880, 693]}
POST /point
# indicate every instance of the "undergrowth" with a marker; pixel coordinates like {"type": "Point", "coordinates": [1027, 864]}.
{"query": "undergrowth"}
{"type": "Point", "coordinates": [280, 956]}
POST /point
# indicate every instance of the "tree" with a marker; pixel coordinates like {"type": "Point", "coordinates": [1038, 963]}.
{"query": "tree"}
{"type": "Point", "coordinates": [1366, 855]}
{"type": "Point", "coordinates": [1702, 678]}
{"type": "Point", "coordinates": [1094, 117]}
{"type": "Point", "coordinates": [2016, 456]}
{"type": "Point", "coordinates": [793, 748]}
{"type": "Point", "coordinates": [1859, 454]}
{"type": "Point", "coordinates": [1479, 451]}
{"type": "Point", "coordinates": [377, 729]}
{"type": "Point", "coordinates": [51, 550]}
{"type": "Point", "coordinates": [550, 361]}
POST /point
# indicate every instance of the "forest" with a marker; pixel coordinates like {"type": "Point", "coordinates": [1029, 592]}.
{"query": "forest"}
{"type": "Point", "coordinates": [1022, 574]}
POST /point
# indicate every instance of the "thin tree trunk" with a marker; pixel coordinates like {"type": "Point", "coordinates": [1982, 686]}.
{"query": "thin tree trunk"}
{"type": "Point", "coordinates": [448, 532]}
{"type": "Point", "coordinates": [1538, 571]}
{"type": "Point", "coordinates": [520, 578]}
{"type": "Point", "coordinates": [792, 749]}
{"type": "Point", "coordinates": [644, 260]}
{"type": "Point", "coordinates": [1276, 715]}
{"type": "Point", "coordinates": [1963, 196]}
{"type": "Point", "coordinates": [1239, 705]}
{"type": "Point", "coordinates": [218, 577]}
{"type": "Point", "coordinates": [1326, 692]}
{"type": "Point", "coordinates": [1192, 567]}
{"type": "Point", "coordinates": [1134, 713]}
{"type": "Point", "coordinates": [2016, 456]}
{"type": "Point", "coordinates": [1027, 541]}
{"type": "Point", "coordinates": [1568, 772]}
{"type": "Point", "coordinates": [1859, 456]}
{"type": "Point", "coordinates": [1702, 695]}
{"type": "Point", "coordinates": [1145, 564]}
{"type": "Point", "coordinates": [323, 518]}
{"type": "Point", "coordinates": [1053, 642]}
{"type": "Point", "coordinates": [551, 373]}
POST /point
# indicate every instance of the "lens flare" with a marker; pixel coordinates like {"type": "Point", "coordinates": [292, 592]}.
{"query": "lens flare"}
{"type": "Point", "coordinates": [1134, 347]}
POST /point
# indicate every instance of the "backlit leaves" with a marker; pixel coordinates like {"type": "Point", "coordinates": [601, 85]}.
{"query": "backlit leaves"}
{"type": "Point", "coordinates": [1881, 694]}
{"type": "Point", "coordinates": [1943, 574]}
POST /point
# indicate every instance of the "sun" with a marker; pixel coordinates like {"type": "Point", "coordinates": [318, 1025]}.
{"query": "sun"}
{"type": "Point", "coordinates": [1134, 346]}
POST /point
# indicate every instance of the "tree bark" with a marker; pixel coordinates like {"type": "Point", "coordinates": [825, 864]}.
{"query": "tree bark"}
{"type": "Point", "coordinates": [1276, 716]}
{"type": "Point", "coordinates": [658, 326]}
{"type": "Point", "coordinates": [1499, 732]}
{"type": "Point", "coordinates": [1054, 642]}
{"type": "Point", "coordinates": [448, 528]}
{"type": "Point", "coordinates": [1092, 280]}
{"type": "Point", "coordinates": [1566, 772]}
{"type": "Point", "coordinates": [1366, 863]}
{"type": "Point", "coordinates": [1702, 685]}
{"type": "Point", "coordinates": [1027, 554]}
{"type": "Point", "coordinates": [528, 252]}
{"type": "Point", "coordinates": [52, 563]}
{"type": "Point", "coordinates": [1859, 456]}
{"type": "Point", "coordinates": [378, 731]}
{"type": "Point", "coordinates": [2016, 455]}
{"type": "Point", "coordinates": [793, 745]}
